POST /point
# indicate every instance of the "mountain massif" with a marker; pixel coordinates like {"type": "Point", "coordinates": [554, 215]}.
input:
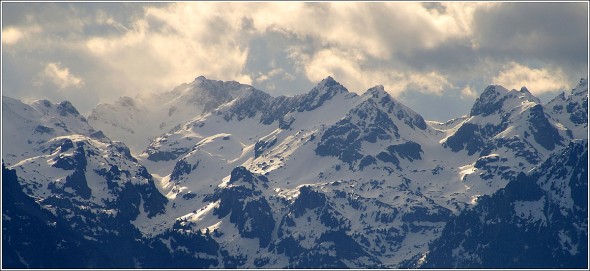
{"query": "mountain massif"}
{"type": "Point", "coordinates": [219, 174]}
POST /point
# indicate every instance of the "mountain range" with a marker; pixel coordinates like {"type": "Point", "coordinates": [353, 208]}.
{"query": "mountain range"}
{"type": "Point", "coordinates": [217, 174]}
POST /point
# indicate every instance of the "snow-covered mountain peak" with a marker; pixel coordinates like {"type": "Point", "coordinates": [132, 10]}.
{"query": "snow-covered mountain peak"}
{"type": "Point", "coordinates": [501, 119]}
{"type": "Point", "coordinates": [492, 91]}
{"type": "Point", "coordinates": [393, 107]}
{"type": "Point", "coordinates": [329, 82]}
{"type": "Point", "coordinates": [377, 91]}
{"type": "Point", "coordinates": [64, 108]}
{"type": "Point", "coordinates": [496, 99]}
{"type": "Point", "coordinates": [325, 90]}
{"type": "Point", "coordinates": [216, 86]}
{"type": "Point", "coordinates": [524, 90]}
{"type": "Point", "coordinates": [327, 87]}
{"type": "Point", "coordinates": [572, 110]}
{"type": "Point", "coordinates": [40, 121]}
{"type": "Point", "coordinates": [581, 88]}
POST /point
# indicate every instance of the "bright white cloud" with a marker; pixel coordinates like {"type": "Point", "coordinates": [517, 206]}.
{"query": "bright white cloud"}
{"type": "Point", "coordinates": [538, 81]}
{"type": "Point", "coordinates": [11, 35]}
{"type": "Point", "coordinates": [468, 93]}
{"type": "Point", "coordinates": [61, 77]}
{"type": "Point", "coordinates": [172, 44]}
{"type": "Point", "coordinates": [378, 29]}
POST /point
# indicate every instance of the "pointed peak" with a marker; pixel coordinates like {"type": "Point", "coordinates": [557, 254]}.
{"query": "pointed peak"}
{"type": "Point", "coordinates": [65, 104]}
{"type": "Point", "coordinates": [325, 90]}
{"type": "Point", "coordinates": [376, 98]}
{"type": "Point", "coordinates": [210, 84]}
{"type": "Point", "coordinates": [377, 91]}
{"type": "Point", "coordinates": [329, 79]}
{"type": "Point", "coordinates": [66, 107]}
{"type": "Point", "coordinates": [581, 88]}
{"type": "Point", "coordinates": [330, 83]}
{"type": "Point", "coordinates": [490, 100]}
{"type": "Point", "coordinates": [202, 81]}
{"type": "Point", "coordinates": [525, 90]}
{"type": "Point", "coordinates": [494, 90]}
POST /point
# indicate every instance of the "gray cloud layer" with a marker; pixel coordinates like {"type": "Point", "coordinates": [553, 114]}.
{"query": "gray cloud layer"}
{"type": "Point", "coordinates": [435, 57]}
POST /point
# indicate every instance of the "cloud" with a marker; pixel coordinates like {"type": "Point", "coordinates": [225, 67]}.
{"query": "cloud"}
{"type": "Point", "coordinates": [549, 32]}
{"type": "Point", "coordinates": [11, 35]}
{"type": "Point", "coordinates": [432, 82]}
{"type": "Point", "coordinates": [468, 93]}
{"type": "Point", "coordinates": [380, 29]}
{"type": "Point", "coordinates": [173, 44]}
{"type": "Point", "coordinates": [272, 73]}
{"type": "Point", "coordinates": [182, 40]}
{"type": "Point", "coordinates": [538, 81]}
{"type": "Point", "coordinates": [346, 68]}
{"type": "Point", "coordinates": [61, 77]}
{"type": "Point", "coordinates": [414, 49]}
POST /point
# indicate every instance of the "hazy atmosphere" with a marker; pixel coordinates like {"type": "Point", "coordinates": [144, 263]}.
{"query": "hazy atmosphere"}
{"type": "Point", "coordinates": [434, 57]}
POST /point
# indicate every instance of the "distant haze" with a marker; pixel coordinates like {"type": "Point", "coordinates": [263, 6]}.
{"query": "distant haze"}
{"type": "Point", "coordinates": [434, 57]}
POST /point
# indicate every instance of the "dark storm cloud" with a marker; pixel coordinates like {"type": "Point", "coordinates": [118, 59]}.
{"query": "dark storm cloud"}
{"type": "Point", "coordinates": [553, 32]}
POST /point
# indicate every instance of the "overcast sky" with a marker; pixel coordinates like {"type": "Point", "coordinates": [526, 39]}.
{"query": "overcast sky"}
{"type": "Point", "coordinates": [434, 57]}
